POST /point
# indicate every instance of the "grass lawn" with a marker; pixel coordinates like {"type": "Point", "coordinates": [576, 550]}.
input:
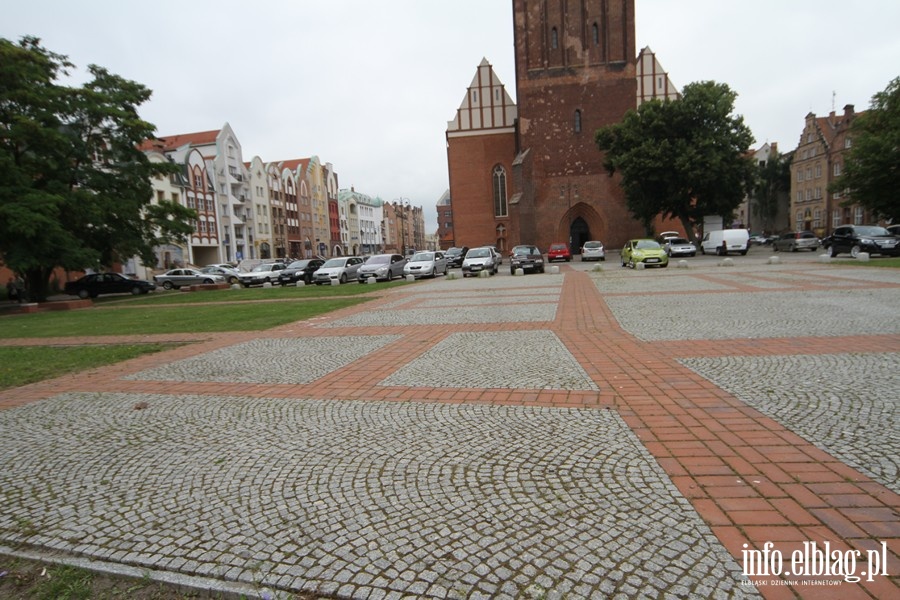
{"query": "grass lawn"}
{"type": "Point", "coordinates": [241, 316]}
{"type": "Point", "coordinates": [892, 262]}
{"type": "Point", "coordinates": [20, 365]}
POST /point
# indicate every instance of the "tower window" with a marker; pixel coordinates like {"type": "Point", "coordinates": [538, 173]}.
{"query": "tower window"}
{"type": "Point", "coordinates": [577, 121]}
{"type": "Point", "coordinates": [500, 205]}
{"type": "Point", "coordinates": [595, 34]}
{"type": "Point", "coordinates": [554, 38]}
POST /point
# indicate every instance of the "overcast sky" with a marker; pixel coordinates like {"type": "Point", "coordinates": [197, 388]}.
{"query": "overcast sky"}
{"type": "Point", "coordinates": [370, 86]}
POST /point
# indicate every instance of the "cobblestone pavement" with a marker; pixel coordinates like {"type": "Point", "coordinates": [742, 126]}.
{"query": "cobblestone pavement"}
{"type": "Point", "coordinates": [587, 434]}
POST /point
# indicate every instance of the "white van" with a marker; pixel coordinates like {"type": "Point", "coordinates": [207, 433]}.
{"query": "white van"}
{"type": "Point", "coordinates": [723, 241]}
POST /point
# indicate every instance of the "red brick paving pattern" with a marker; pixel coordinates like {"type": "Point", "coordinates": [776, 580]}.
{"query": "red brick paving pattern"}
{"type": "Point", "coordinates": [749, 478]}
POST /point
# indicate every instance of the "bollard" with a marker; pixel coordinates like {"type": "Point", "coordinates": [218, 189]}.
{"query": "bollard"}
{"type": "Point", "coordinates": [267, 284]}
{"type": "Point", "coordinates": [639, 266]}
{"type": "Point", "coordinates": [335, 282]}
{"type": "Point", "coordinates": [300, 283]}
{"type": "Point", "coordinates": [235, 286]}
{"type": "Point", "coordinates": [863, 257]}
{"type": "Point", "coordinates": [554, 270]}
{"type": "Point", "coordinates": [824, 258]}
{"type": "Point", "coordinates": [726, 262]}
{"type": "Point", "coordinates": [519, 272]}
{"type": "Point", "coordinates": [370, 280]}
{"type": "Point", "coordinates": [410, 277]}
{"type": "Point", "coordinates": [682, 264]}
{"type": "Point", "coordinates": [773, 260]}
{"type": "Point", "coordinates": [452, 275]}
{"type": "Point", "coordinates": [484, 274]}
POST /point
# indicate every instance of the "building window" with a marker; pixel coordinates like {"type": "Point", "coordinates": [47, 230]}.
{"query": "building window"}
{"type": "Point", "coordinates": [577, 121]}
{"type": "Point", "coordinates": [800, 196]}
{"type": "Point", "coordinates": [817, 218]}
{"type": "Point", "coordinates": [799, 226]}
{"type": "Point", "coordinates": [595, 34]}
{"type": "Point", "coordinates": [847, 142]}
{"type": "Point", "coordinates": [858, 216]}
{"type": "Point", "coordinates": [499, 176]}
{"type": "Point", "coordinates": [836, 217]}
{"type": "Point", "coordinates": [554, 38]}
{"type": "Point", "coordinates": [837, 169]}
{"type": "Point", "coordinates": [818, 170]}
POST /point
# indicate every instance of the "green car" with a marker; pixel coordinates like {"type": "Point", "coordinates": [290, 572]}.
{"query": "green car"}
{"type": "Point", "coordinates": [648, 252]}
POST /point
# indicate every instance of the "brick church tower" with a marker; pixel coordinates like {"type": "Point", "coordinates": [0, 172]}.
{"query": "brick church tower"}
{"type": "Point", "coordinates": [540, 178]}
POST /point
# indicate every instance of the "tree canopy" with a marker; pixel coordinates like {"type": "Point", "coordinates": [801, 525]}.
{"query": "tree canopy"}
{"type": "Point", "coordinates": [871, 170]}
{"type": "Point", "coordinates": [75, 189]}
{"type": "Point", "coordinates": [683, 158]}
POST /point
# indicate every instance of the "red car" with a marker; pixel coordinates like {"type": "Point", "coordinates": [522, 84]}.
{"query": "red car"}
{"type": "Point", "coordinates": [559, 252]}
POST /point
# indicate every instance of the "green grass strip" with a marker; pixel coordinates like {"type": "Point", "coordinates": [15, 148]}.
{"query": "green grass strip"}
{"type": "Point", "coordinates": [20, 365]}
{"type": "Point", "coordinates": [250, 316]}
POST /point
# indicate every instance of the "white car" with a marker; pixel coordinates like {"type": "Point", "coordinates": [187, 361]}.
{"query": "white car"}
{"type": "Point", "coordinates": [680, 247]}
{"type": "Point", "coordinates": [480, 259]}
{"type": "Point", "coordinates": [426, 264]}
{"type": "Point", "coordinates": [593, 250]}
{"type": "Point", "coordinates": [341, 269]}
{"type": "Point", "coordinates": [179, 277]}
{"type": "Point", "coordinates": [262, 274]}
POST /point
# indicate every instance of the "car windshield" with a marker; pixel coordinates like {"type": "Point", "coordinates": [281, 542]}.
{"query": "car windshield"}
{"type": "Point", "coordinates": [593, 245]}
{"type": "Point", "coordinates": [261, 268]}
{"type": "Point", "coordinates": [422, 256]}
{"type": "Point", "coordinates": [558, 247]}
{"type": "Point", "coordinates": [379, 259]}
{"type": "Point", "coordinates": [678, 241]}
{"type": "Point", "coordinates": [299, 264]}
{"type": "Point", "coordinates": [869, 230]}
{"type": "Point", "coordinates": [646, 245]}
{"type": "Point", "coordinates": [334, 262]}
{"type": "Point", "coordinates": [478, 253]}
{"type": "Point", "coordinates": [523, 251]}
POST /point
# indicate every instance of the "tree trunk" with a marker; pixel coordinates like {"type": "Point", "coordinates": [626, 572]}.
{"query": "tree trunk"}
{"type": "Point", "coordinates": [37, 284]}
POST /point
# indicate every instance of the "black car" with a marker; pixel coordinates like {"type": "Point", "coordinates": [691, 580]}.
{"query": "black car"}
{"type": "Point", "coordinates": [456, 256]}
{"type": "Point", "coordinates": [91, 286]}
{"type": "Point", "coordinates": [854, 239]}
{"type": "Point", "coordinates": [300, 270]}
{"type": "Point", "coordinates": [527, 258]}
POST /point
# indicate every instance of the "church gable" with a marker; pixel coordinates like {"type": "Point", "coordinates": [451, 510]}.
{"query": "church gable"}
{"type": "Point", "coordinates": [486, 105]}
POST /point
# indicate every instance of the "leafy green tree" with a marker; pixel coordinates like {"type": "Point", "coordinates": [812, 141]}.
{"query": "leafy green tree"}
{"type": "Point", "coordinates": [75, 189]}
{"type": "Point", "coordinates": [871, 170]}
{"type": "Point", "coordinates": [773, 183]}
{"type": "Point", "coordinates": [683, 158]}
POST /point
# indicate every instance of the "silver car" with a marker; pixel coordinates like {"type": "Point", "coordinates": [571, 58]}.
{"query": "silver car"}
{"type": "Point", "coordinates": [341, 269]}
{"type": "Point", "coordinates": [680, 247]}
{"type": "Point", "coordinates": [796, 240]}
{"type": "Point", "coordinates": [382, 266]}
{"type": "Point", "coordinates": [262, 274]}
{"type": "Point", "coordinates": [426, 264]}
{"type": "Point", "coordinates": [480, 259]}
{"type": "Point", "coordinates": [179, 277]}
{"type": "Point", "coordinates": [593, 250]}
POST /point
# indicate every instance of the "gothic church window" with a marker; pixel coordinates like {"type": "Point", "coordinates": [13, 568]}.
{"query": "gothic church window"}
{"type": "Point", "coordinates": [554, 38]}
{"type": "Point", "coordinates": [595, 34]}
{"type": "Point", "coordinates": [500, 204]}
{"type": "Point", "coordinates": [577, 121]}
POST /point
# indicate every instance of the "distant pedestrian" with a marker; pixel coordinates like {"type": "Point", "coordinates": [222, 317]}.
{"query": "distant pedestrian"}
{"type": "Point", "coordinates": [12, 291]}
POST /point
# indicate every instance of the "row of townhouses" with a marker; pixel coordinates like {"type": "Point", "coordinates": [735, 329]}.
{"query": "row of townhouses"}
{"type": "Point", "coordinates": [257, 210]}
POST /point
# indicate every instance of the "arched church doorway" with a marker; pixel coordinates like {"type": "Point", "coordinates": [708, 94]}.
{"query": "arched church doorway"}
{"type": "Point", "coordinates": [579, 233]}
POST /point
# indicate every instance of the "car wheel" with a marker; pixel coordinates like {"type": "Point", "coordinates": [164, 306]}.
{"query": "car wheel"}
{"type": "Point", "coordinates": [168, 285]}
{"type": "Point", "coordinates": [774, 247]}
{"type": "Point", "coordinates": [207, 281]}
{"type": "Point", "coordinates": [855, 250]}
{"type": "Point", "coordinates": [793, 248]}
{"type": "Point", "coordinates": [343, 278]}
{"type": "Point", "coordinates": [135, 291]}
{"type": "Point", "coordinates": [233, 280]}
{"type": "Point", "coordinates": [84, 294]}
{"type": "Point", "coordinates": [631, 263]}
{"type": "Point", "coordinates": [702, 251]}
{"type": "Point", "coordinates": [834, 251]}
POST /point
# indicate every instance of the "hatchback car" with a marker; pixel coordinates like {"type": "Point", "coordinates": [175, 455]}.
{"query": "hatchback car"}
{"type": "Point", "coordinates": [426, 264]}
{"type": "Point", "coordinates": [593, 251]}
{"type": "Point", "coordinates": [644, 251]}
{"type": "Point", "coordinates": [480, 259]}
{"type": "Point", "coordinates": [679, 247]}
{"type": "Point", "coordinates": [382, 266]}
{"type": "Point", "coordinates": [525, 257]}
{"type": "Point", "coordinates": [94, 284]}
{"type": "Point", "coordinates": [300, 270]}
{"type": "Point", "coordinates": [230, 274]}
{"type": "Point", "coordinates": [863, 238]}
{"type": "Point", "coordinates": [341, 269]}
{"type": "Point", "coordinates": [559, 252]}
{"type": "Point", "coordinates": [796, 240]}
{"type": "Point", "coordinates": [180, 277]}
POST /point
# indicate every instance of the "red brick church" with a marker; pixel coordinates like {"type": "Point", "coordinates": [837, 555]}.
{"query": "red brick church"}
{"type": "Point", "coordinates": [531, 173]}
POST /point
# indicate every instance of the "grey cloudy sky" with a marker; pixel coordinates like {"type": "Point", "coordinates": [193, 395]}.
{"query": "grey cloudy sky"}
{"type": "Point", "coordinates": [370, 86]}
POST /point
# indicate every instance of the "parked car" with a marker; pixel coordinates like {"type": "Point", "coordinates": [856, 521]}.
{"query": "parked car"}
{"type": "Point", "coordinates": [341, 269]}
{"type": "Point", "coordinates": [759, 240]}
{"type": "Point", "coordinates": [593, 250]}
{"type": "Point", "coordinates": [665, 236]}
{"type": "Point", "coordinates": [176, 278]}
{"type": "Point", "coordinates": [262, 274]}
{"type": "Point", "coordinates": [456, 256]}
{"type": "Point", "coordinates": [230, 274]}
{"type": "Point", "coordinates": [723, 241]}
{"type": "Point", "coordinates": [94, 284]}
{"type": "Point", "coordinates": [480, 259]}
{"type": "Point", "coordinates": [796, 240]}
{"type": "Point", "coordinates": [426, 264]}
{"type": "Point", "coordinates": [679, 247]}
{"type": "Point", "coordinates": [645, 251]}
{"type": "Point", "coordinates": [382, 266]}
{"type": "Point", "coordinates": [526, 257]}
{"type": "Point", "coordinates": [863, 238]}
{"type": "Point", "coordinates": [893, 229]}
{"type": "Point", "coordinates": [559, 251]}
{"type": "Point", "coordinates": [300, 270]}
